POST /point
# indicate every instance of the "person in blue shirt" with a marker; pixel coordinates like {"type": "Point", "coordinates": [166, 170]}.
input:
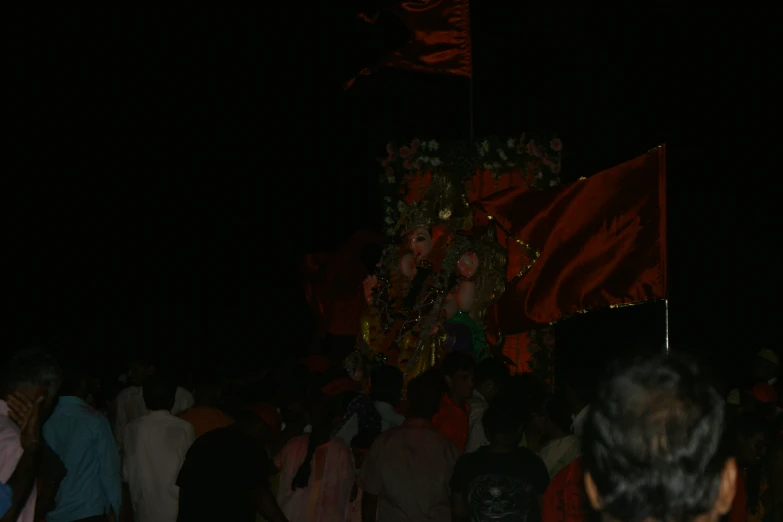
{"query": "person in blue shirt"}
{"type": "Point", "coordinates": [6, 498]}
{"type": "Point", "coordinates": [82, 438]}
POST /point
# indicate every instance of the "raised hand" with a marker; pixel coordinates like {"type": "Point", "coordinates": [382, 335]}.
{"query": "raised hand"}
{"type": "Point", "coordinates": [27, 414]}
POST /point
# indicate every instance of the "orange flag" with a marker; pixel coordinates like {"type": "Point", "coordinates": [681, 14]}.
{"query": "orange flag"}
{"type": "Point", "coordinates": [598, 242]}
{"type": "Point", "coordinates": [440, 40]}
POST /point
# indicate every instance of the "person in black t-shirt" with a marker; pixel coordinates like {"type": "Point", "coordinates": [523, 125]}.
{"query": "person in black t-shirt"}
{"type": "Point", "coordinates": [499, 482]}
{"type": "Point", "coordinates": [225, 475]}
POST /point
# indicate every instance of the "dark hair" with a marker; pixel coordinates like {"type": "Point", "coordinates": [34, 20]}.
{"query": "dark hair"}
{"type": "Point", "coordinates": [74, 381]}
{"type": "Point", "coordinates": [30, 368]}
{"type": "Point", "coordinates": [159, 393]}
{"type": "Point", "coordinates": [457, 362]}
{"type": "Point", "coordinates": [424, 394]}
{"type": "Point", "coordinates": [491, 369]}
{"type": "Point", "coordinates": [652, 442]}
{"type": "Point", "coordinates": [386, 384]}
{"type": "Point", "coordinates": [502, 419]}
{"type": "Point", "coordinates": [324, 409]}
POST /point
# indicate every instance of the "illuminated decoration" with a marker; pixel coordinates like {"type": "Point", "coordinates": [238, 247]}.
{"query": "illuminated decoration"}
{"type": "Point", "coordinates": [448, 263]}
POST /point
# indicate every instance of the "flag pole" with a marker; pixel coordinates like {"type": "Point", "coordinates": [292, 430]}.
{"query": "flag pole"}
{"type": "Point", "coordinates": [666, 319]}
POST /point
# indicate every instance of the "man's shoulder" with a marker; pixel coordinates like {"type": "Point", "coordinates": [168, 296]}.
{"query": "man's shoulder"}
{"type": "Point", "coordinates": [430, 434]}
{"type": "Point", "coordinates": [178, 422]}
{"type": "Point", "coordinates": [468, 460]}
{"type": "Point", "coordinates": [183, 393]}
{"type": "Point", "coordinates": [79, 419]}
{"type": "Point", "coordinates": [125, 393]}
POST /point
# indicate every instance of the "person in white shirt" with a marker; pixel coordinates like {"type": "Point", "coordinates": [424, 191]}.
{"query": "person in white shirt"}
{"type": "Point", "coordinates": [385, 392]}
{"type": "Point", "coordinates": [488, 379]}
{"type": "Point", "coordinates": [155, 448]}
{"type": "Point", "coordinates": [130, 403]}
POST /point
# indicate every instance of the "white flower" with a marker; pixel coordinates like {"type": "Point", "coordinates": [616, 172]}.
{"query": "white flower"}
{"type": "Point", "coordinates": [389, 232]}
{"type": "Point", "coordinates": [488, 165]}
{"type": "Point", "coordinates": [552, 183]}
{"type": "Point", "coordinates": [387, 199]}
{"type": "Point", "coordinates": [433, 145]}
{"type": "Point", "coordinates": [539, 175]}
{"type": "Point", "coordinates": [389, 210]}
{"type": "Point", "coordinates": [389, 220]}
{"type": "Point", "coordinates": [424, 159]}
{"type": "Point", "coordinates": [511, 164]}
{"type": "Point", "coordinates": [483, 147]}
{"type": "Point", "coordinates": [435, 162]}
{"type": "Point", "coordinates": [511, 143]}
{"type": "Point", "coordinates": [423, 146]}
{"type": "Point", "coordinates": [502, 155]}
{"type": "Point", "coordinates": [391, 179]}
{"type": "Point", "coordinates": [496, 165]}
{"type": "Point", "coordinates": [401, 206]}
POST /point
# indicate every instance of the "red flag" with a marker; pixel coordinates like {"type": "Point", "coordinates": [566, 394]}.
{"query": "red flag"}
{"type": "Point", "coordinates": [440, 37]}
{"type": "Point", "coordinates": [599, 242]}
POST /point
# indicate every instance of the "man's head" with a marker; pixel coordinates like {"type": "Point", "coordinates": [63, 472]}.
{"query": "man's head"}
{"type": "Point", "coordinates": [424, 394]}
{"type": "Point", "coordinates": [503, 424]}
{"type": "Point", "coordinates": [766, 365]}
{"type": "Point", "coordinates": [749, 435]}
{"type": "Point", "coordinates": [139, 369]}
{"type": "Point", "coordinates": [550, 415]}
{"type": "Point", "coordinates": [653, 445]}
{"type": "Point", "coordinates": [490, 377]}
{"type": "Point", "coordinates": [159, 393]}
{"type": "Point", "coordinates": [386, 384]}
{"type": "Point", "coordinates": [75, 382]}
{"type": "Point", "coordinates": [253, 426]}
{"type": "Point", "coordinates": [32, 372]}
{"type": "Point", "coordinates": [458, 369]}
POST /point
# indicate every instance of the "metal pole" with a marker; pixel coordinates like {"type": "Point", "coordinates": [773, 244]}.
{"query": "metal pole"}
{"type": "Point", "coordinates": [666, 305]}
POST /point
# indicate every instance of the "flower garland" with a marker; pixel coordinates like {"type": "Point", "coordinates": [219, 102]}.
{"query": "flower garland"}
{"type": "Point", "coordinates": [536, 159]}
{"type": "Point", "coordinates": [539, 160]}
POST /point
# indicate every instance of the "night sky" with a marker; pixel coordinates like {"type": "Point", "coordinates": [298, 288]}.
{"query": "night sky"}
{"type": "Point", "coordinates": [165, 169]}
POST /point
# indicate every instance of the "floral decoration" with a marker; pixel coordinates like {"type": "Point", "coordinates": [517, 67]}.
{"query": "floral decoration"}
{"type": "Point", "coordinates": [534, 158]}
{"type": "Point", "coordinates": [537, 159]}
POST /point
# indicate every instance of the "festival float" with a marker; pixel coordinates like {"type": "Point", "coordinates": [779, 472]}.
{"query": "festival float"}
{"type": "Point", "coordinates": [447, 261]}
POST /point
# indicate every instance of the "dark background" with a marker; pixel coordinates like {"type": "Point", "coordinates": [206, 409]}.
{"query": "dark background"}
{"type": "Point", "coordinates": [166, 168]}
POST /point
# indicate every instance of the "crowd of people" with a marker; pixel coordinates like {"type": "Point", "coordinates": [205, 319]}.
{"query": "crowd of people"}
{"type": "Point", "coordinates": [304, 442]}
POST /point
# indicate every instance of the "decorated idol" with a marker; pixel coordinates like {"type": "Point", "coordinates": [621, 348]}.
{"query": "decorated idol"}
{"type": "Point", "coordinates": [435, 284]}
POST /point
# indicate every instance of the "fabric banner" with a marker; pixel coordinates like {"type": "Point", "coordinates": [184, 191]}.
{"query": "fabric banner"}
{"type": "Point", "coordinates": [598, 242]}
{"type": "Point", "coordinates": [440, 37]}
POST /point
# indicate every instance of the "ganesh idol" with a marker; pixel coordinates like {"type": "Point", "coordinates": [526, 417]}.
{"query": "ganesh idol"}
{"type": "Point", "coordinates": [435, 285]}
